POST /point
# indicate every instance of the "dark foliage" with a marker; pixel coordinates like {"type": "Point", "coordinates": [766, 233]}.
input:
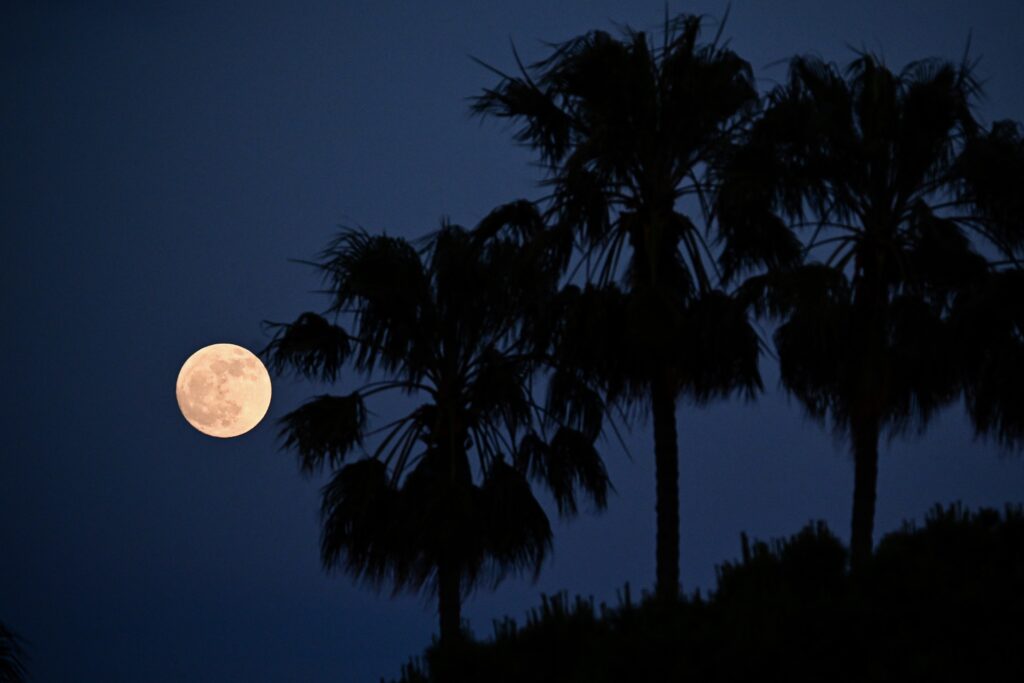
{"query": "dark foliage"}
{"type": "Point", "coordinates": [12, 657]}
{"type": "Point", "coordinates": [898, 185]}
{"type": "Point", "coordinates": [628, 127]}
{"type": "Point", "coordinates": [440, 499]}
{"type": "Point", "coordinates": [942, 602]}
{"type": "Point", "coordinates": [989, 323]}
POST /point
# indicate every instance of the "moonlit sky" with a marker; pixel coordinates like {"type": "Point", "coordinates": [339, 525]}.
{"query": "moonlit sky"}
{"type": "Point", "coordinates": [161, 162]}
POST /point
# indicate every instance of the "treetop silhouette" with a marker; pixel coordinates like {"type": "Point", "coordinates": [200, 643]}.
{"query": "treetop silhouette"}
{"type": "Point", "coordinates": [440, 499]}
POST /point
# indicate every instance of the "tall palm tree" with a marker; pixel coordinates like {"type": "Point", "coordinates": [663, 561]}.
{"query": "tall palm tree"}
{"type": "Point", "coordinates": [877, 165]}
{"type": "Point", "coordinates": [626, 129]}
{"type": "Point", "coordinates": [441, 498]}
{"type": "Point", "coordinates": [12, 657]}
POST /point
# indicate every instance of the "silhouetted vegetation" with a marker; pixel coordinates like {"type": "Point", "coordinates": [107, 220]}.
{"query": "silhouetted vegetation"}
{"type": "Point", "coordinates": [12, 657]}
{"type": "Point", "coordinates": [906, 295]}
{"type": "Point", "coordinates": [627, 128]}
{"type": "Point", "coordinates": [440, 498]}
{"type": "Point", "coordinates": [941, 602]}
{"type": "Point", "coordinates": [989, 328]}
{"type": "Point", "coordinates": [891, 173]}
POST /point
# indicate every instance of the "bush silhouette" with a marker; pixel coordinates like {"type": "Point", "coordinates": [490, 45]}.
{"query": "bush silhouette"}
{"type": "Point", "coordinates": [943, 601]}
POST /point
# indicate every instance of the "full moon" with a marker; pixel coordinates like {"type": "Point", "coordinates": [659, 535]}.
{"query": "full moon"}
{"type": "Point", "coordinates": [223, 390]}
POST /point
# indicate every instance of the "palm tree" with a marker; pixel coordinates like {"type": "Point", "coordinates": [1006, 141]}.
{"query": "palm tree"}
{"type": "Point", "coordinates": [878, 165]}
{"type": "Point", "coordinates": [626, 130]}
{"type": "Point", "coordinates": [12, 657]}
{"type": "Point", "coordinates": [441, 498]}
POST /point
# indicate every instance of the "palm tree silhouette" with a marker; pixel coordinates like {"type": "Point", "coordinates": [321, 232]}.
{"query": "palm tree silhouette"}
{"type": "Point", "coordinates": [878, 165]}
{"type": "Point", "coordinates": [626, 130]}
{"type": "Point", "coordinates": [441, 500]}
{"type": "Point", "coordinates": [12, 657]}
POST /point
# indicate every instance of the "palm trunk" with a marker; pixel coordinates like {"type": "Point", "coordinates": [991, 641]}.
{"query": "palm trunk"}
{"type": "Point", "coordinates": [869, 311]}
{"type": "Point", "coordinates": [449, 594]}
{"type": "Point", "coordinates": [666, 472]}
{"type": "Point", "coordinates": [449, 600]}
{"type": "Point", "coordinates": [864, 433]}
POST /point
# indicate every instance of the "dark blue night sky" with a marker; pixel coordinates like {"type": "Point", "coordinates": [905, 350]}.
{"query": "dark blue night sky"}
{"type": "Point", "coordinates": [160, 162]}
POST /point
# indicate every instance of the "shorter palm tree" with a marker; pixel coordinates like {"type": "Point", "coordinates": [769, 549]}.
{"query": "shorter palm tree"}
{"type": "Point", "coordinates": [441, 498]}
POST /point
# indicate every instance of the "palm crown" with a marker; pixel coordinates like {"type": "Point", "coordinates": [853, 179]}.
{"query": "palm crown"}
{"type": "Point", "coordinates": [442, 498]}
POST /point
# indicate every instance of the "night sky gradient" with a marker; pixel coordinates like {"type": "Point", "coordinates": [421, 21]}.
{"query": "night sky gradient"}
{"type": "Point", "coordinates": [160, 162]}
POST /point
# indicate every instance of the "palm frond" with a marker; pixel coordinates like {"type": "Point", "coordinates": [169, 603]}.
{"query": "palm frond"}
{"type": "Point", "coordinates": [939, 259]}
{"type": "Point", "coordinates": [814, 357]}
{"type": "Point", "coordinates": [383, 280]}
{"type": "Point", "coordinates": [591, 340]}
{"type": "Point", "coordinates": [324, 430]}
{"type": "Point", "coordinates": [517, 97]}
{"type": "Point", "coordinates": [922, 375]}
{"type": "Point", "coordinates": [311, 346]}
{"type": "Point", "coordinates": [989, 326]}
{"type": "Point", "coordinates": [567, 463]}
{"type": "Point", "coordinates": [756, 184]}
{"type": "Point", "coordinates": [362, 531]}
{"type": "Point", "coordinates": [717, 349]}
{"type": "Point", "coordinates": [521, 220]}
{"type": "Point", "coordinates": [992, 169]}
{"type": "Point", "coordinates": [518, 533]}
{"type": "Point", "coordinates": [573, 402]}
{"type": "Point", "coordinates": [810, 288]}
{"type": "Point", "coordinates": [498, 390]}
{"type": "Point", "coordinates": [442, 521]}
